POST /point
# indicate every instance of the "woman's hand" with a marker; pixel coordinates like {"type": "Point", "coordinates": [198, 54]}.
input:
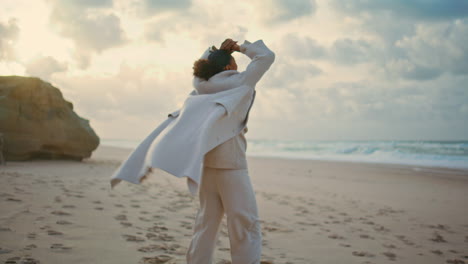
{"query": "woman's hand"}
{"type": "Point", "coordinates": [230, 45]}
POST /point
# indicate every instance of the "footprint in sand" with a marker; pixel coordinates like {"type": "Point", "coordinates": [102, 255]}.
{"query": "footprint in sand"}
{"type": "Point", "coordinates": [54, 233]}
{"type": "Point", "coordinates": [132, 238]}
{"type": "Point", "coordinates": [119, 205]}
{"type": "Point", "coordinates": [437, 252]}
{"type": "Point", "coordinates": [170, 249]}
{"type": "Point", "coordinates": [61, 213]}
{"type": "Point", "coordinates": [68, 206]}
{"type": "Point", "coordinates": [59, 247]}
{"type": "Point", "coordinates": [438, 238]}
{"type": "Point", "coordinates": [11, 199]}
{"type": "Point", "coordinates": [144, 219]}
{"type": "Point", "coordinates": [158, 217]}
{"type": "Point", "coordinates": [21, 260]}
{"type": "Point", "coordinates": [187, 225]}
{"type": "Point", "coordinates": [155, 260]}
{"type": "Point", "coordinates": [365, 236]}
{"type": "Point", "coordinates": [29, 247]}
{"type": "Point", "coordinates": [150, 248]}
{"type": "Point", "coordinates": [405, 240]}
{"type": "Point", "coordinates": [382, 229]}
{"type": "Point", "coordinates": [274, 227]}
{"type": "Point", "coordinates": [455, 261]}
{"type": "Point", "coordinates": [31, 235]}
{"type": "Point", "coordinates": [390, 255]}
{"type": "Point", "coordinates": [157, 228]}
{"type": "Point", "coordinates": [5, 250]}
{"type": "Point", "coordinates": [126, 224]}
{"type": "Point", "coordinates": [121, 217]}
{"type": "Point", "coordinates": [388, 211]}
{"type": "Point", "coordinates": [335, 236]}
{"type": "Point", "coordinates": [63, 222]}
{"type": "Point", "coordinates": [159, 237]}
{"type": "Point", "coordinates": [368, 222]}
{"type": "Point", "coordinates": [307, 223]}
{"type": "Point", "coordinates": [363, 254]}
{"type": "Point", "coordinates": [391, 246]}
{"type": "Point", "coordinates": [438, 226]}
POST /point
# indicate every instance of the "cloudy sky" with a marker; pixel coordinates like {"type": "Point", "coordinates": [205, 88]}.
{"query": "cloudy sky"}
{"type": "Point", "coordinates": [344, 70]}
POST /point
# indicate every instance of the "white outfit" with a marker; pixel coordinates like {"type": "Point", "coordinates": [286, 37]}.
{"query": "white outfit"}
{"type": "Point", "coordinates": [230, 154]}
{"type": "Point", "coordinates": [216, 112]}
{"type": "Point", "coordinates": [178, 145]}
{"type": "Point", "coordinates": [225, 185]}
{"type": "Point", "coordinates": [226, 191]}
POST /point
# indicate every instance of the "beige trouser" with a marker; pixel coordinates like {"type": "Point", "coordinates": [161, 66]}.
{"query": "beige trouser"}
{"type": "Point", "coordinates": [226, 191]}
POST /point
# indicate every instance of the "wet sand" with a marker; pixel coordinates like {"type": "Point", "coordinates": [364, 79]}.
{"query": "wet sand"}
{"type": "Point", "coordinates": [311, 211]}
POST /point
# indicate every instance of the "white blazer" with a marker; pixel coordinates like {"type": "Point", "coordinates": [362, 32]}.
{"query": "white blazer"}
{"type": "Point", "coordinates": [214, 112]}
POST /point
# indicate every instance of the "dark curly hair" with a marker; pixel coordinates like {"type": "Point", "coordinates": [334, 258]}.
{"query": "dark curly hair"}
{"type": "Point", "coordinates": [217, 60]}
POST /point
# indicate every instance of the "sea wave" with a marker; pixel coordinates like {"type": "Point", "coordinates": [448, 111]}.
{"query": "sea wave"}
{"type": "Point", "coordinates": [449, 154]}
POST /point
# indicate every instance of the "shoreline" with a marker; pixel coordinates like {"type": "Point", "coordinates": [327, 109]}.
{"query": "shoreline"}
{"type": "Point", "coordinates": [462, 171]}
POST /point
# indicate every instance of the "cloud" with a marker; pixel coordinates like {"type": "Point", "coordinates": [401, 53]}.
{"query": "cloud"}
{"type": "Point", "coordinates": [44, 67]}
{"type": "Point", "coordinates": [289, 74]}
{"type": "Point", "coordinates": [302, 47]}
{"type": "Point", "coordinates": [406, 69]}
{"type": "Point", "coordinates": [89, 25]}
{"type": "Point", "coordinates": [157, 30]}
{"type": "Point", "coordinates": [148, 9]}
{"type": "Point", "coordinates": [152, 6]}
{"type": "Point", "coordinates": [278, 11]}
{"type": "Point", "coordinates": [8, 35]}
{"type": "Point", "coordinates": [392, 20]}
{"type": "Point", "coordinates": [349, 51]}
{"type": "Point", "coordinates": [415, 10]}
{"type": "Point", "coordinates": [444, 99]}
{"type": "Point", "coordinates": [88, 3]}
{"type": "Point", "coordinates": [140, 94]}
{"type": "Point", "coordinates": [442, 46]}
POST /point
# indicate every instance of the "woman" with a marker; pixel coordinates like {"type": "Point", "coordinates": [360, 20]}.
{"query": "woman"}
{"type": "Point", "coordinates": [225, 184]}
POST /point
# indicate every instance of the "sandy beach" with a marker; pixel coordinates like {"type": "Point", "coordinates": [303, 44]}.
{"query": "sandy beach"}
{"type": "Point", "coordinates": [312, 212]}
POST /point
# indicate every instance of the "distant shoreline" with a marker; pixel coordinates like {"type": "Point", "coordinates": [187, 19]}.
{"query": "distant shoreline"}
{"type": "Point", "coordinates": [125, 151]}
{"type": "Point", "coordinates": [440, 154]}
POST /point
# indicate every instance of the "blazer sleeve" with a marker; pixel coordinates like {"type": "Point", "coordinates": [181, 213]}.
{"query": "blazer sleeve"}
{"type": "Point", "coordinates": [262, 58]}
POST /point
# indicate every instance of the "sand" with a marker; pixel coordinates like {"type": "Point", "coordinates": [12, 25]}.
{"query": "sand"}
{"type": "Point", "coordinates": [311, 211]}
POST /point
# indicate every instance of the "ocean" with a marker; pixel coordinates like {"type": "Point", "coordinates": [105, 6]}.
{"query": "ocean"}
{"type": "Point", "coordinates": [448, 154]}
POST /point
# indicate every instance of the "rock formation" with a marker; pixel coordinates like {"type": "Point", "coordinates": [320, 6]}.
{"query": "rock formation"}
{"type": "Point", "coordinates": [2, 160]}
{"type": "Point", "coordinates": [37, 122]}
